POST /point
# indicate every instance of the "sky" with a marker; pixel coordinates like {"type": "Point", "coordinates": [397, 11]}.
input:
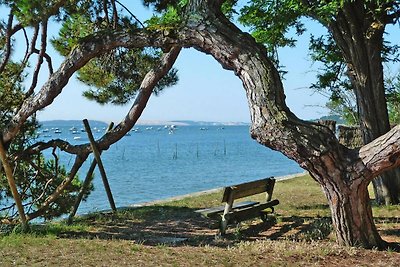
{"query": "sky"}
{"type": "Point", "coordinates": [205, 91]}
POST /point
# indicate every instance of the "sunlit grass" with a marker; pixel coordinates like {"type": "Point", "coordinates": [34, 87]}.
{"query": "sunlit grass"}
{"type": "Point", "coordinates": [301, 236]}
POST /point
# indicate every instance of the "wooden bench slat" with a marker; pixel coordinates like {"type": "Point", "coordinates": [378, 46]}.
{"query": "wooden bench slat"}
{"type": "Point", "coordinates": [212, 212]}
{"type": "Point", "coordinates": [249, 188]}
{"type": "Point", "coordinates": [250, 212]}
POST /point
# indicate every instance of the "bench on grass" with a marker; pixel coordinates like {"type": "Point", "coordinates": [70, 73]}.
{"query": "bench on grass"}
{"type": "Point", "coordinates": [231, 212]}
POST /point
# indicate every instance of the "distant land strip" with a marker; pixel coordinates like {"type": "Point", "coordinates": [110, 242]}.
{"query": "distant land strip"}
{"type": "Point", "coordinates": [147, 122]}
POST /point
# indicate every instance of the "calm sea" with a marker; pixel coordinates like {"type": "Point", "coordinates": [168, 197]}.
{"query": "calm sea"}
{"type": "Point", "coordinates": [155, 162]}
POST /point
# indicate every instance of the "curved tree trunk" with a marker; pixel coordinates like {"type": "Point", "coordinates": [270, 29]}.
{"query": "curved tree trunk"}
{"type": "Point", "coordinates": [339, 171]}
{"type": "Point", "coordinates": [361, 44]}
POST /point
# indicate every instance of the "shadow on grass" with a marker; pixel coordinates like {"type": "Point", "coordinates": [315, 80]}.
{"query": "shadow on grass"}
{"type": "Point", "coordinates": [313, 207]}
{"type": "Point", "coordinates": [176, 226]}
{"type": "Point", "coordinates": [293, 228]}
{"type": "Point", "coordinates": [152, 225]}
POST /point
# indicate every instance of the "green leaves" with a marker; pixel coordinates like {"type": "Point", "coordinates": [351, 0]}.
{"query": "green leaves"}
{"type": "Point", "coordinates": [162, 5]}
{"type": "Point", "coordinates": [271, 20]}
{"type": "Point", "coordinates": [393, 97]}
{"type": "Point", "coordinates": [116, 77]}
{"type": "Point", "coordinates": [74, 28]}
{"type": "Point", "coordinates": [169, 18]}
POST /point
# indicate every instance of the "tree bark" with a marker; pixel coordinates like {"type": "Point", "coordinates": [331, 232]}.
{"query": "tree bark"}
{"type": "Point", "coordinates": [359, 34]}
{"type": "Point", "coordinates": [340, 171]}
{"type": "Point", "coordinates": [347, 193]}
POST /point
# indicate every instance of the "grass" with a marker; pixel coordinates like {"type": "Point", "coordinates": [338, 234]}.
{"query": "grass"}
{"type": "Point", "coordinates": [172, 234]}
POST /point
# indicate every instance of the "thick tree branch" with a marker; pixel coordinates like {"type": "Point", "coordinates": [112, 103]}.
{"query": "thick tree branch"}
{"type": "Point", "coordinates": [91, 47]}
{"type": "Point", "coordinates": [146, 88]}
{"type": "Point", "coordinates": [218, 38]}
{"type": "Point", "coordinates": [383, 153]}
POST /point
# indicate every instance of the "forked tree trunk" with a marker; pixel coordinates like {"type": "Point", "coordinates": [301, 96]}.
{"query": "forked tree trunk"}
{"type": "Point", "coordinates": [340, 172]}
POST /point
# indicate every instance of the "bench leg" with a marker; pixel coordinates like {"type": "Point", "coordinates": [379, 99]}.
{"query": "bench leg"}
{"type": "Point", "coordinates": [264, 215]}
{"type": "Point", "coordinates": [223, 225]}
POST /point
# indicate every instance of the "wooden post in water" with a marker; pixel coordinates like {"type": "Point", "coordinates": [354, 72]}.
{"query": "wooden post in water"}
{"type": "Point", "coordinates": [100, 164]}
{"type": "Point", "coordinates": [224, 147]}
{"type": "Point", "coordinates": [85, 184]}
{"type": "Point", "coordinates": [13, 187]}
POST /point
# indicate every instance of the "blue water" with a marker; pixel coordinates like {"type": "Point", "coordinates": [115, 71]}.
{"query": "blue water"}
{"type": "Point", "coordinates": [154, 164]}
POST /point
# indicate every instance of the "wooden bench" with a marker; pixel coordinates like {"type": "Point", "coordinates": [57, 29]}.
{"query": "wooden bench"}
{"type": "Point", "coordinates": [231, 212]}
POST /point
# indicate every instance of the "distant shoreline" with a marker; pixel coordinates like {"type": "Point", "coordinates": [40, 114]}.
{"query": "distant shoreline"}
{"type": "Point", "coordinates": [150, 122]}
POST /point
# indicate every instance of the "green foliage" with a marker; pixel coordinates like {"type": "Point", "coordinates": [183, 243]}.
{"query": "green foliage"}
{"type": "Point", "coordinates": [169, 13]}
{"type": "Point", "coordinates": [393, 97]}
{"type": "Point", "coordinates": [162, 5]}
{"type": "Point", "coordinates": [270, 22]}
{"type": "Point", "coordinates": [332, 79]}
{"type": "Point", "coordinates": [36, 177]}
{"type": "Point", "coordinates": [228, 8]}
{"type": "Point", "coordinates": [31, 12]}
{"type": "Point", "coordinates": [113, 78]}
{"type": "Point", "coordinates": [75, 27]}
{"type": "Point", "coordinates": [116, 76]}
{"type": "Point", "coordinates": [165, 7]}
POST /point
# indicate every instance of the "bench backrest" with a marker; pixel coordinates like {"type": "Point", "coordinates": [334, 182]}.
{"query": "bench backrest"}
{"type": "Point", "coordinates": [248, 189]}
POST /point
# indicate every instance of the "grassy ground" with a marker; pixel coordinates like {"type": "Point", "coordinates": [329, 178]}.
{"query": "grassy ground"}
{"type": "Point", "coordinates": [172, 234]}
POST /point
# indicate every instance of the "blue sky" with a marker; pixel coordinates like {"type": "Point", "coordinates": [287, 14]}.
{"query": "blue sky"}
{"type": "Point", "coordinates": [205, 92]}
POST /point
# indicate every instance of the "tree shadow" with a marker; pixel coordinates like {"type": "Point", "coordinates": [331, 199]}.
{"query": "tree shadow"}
{"type": "Point", "coordinates": [178, 226]}
{"type": "Point", "coordinates": [313, 207]}
{"type": "Point", "coordinates": [174, 226]}
{"type": "Point", "coordinates": [292, 228]}
{"type": "Point", "coordinates": [151, 225]}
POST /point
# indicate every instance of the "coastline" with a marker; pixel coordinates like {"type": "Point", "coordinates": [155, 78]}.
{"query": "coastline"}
{"type": "Point", "coordinates": [200, 193]}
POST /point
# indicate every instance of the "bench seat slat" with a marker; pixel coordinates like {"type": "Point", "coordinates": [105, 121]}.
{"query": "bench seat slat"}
{"type": "Point", "coordinates": [213, 212]}
{"type": "Point", "coordinates": [249, 212]}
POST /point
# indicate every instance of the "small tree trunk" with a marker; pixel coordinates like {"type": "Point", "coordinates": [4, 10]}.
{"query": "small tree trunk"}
{"type": "Point", "coordinates": [13, 187]}
{"type": "Point", "coordinates": [387, 188]}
